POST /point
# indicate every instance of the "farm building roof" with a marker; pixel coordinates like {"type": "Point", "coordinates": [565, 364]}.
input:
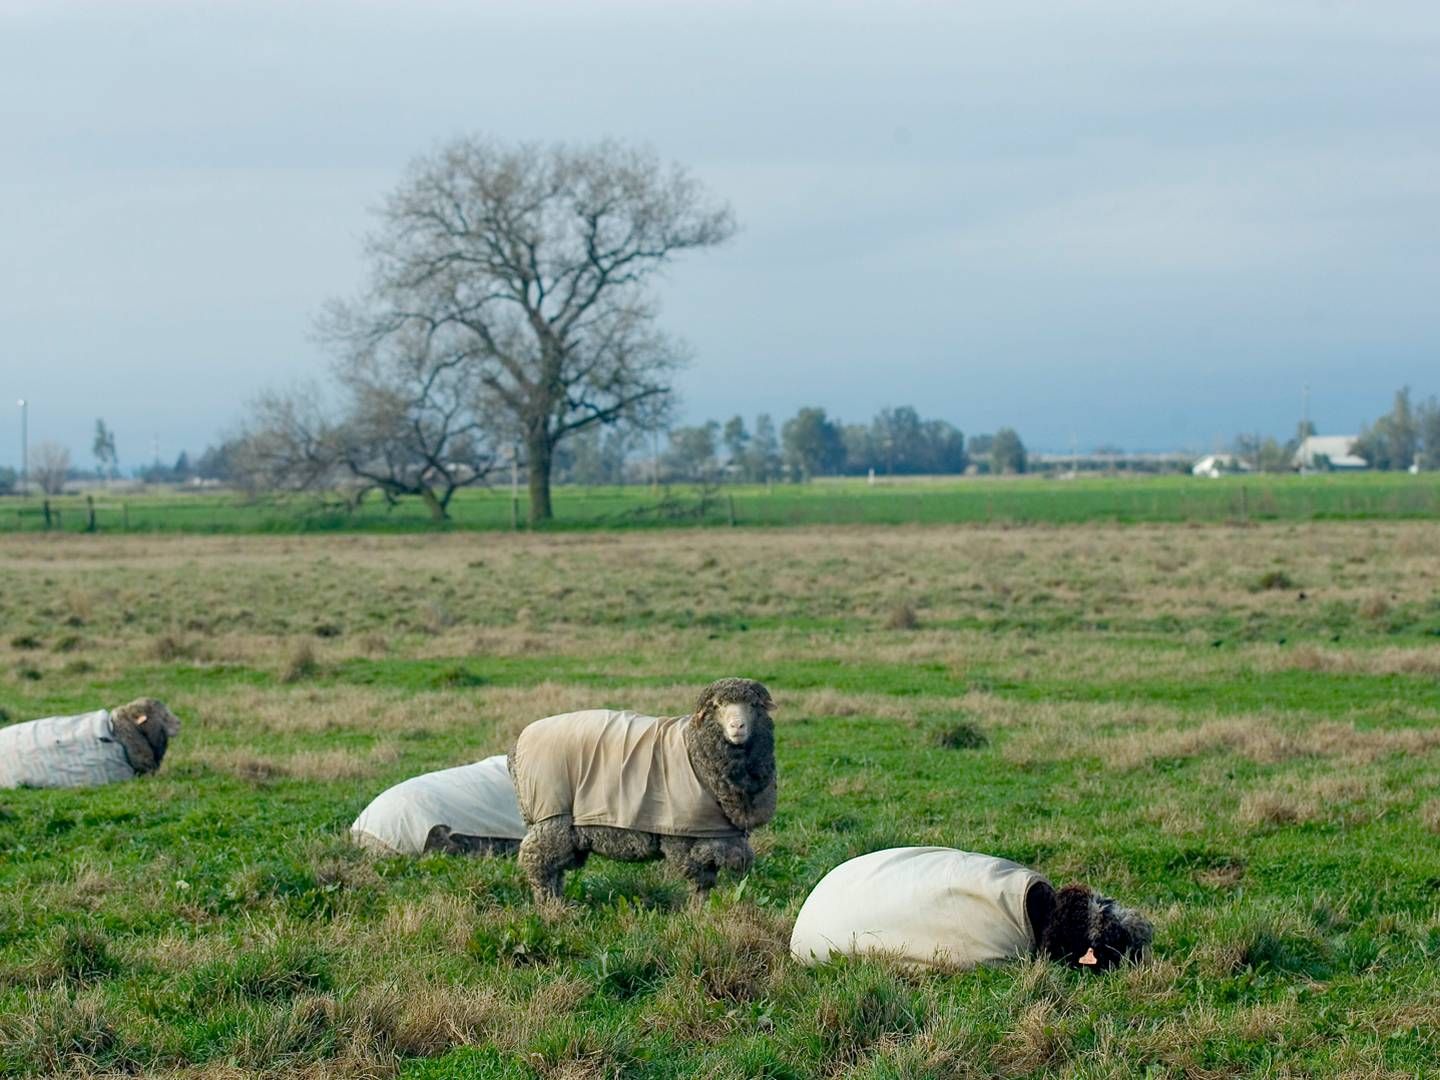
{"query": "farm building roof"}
{"type": "Point", "coordinates": [1339, 449]}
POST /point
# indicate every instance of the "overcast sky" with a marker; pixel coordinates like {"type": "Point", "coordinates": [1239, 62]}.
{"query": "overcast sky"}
{"type": "Point", "coordinates": [1147, 224]}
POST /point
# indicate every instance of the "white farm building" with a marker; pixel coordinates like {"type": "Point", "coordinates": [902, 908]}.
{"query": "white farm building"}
{"type": "Point", "coordinates": [1329, 452]}
{"type": "Point", "coordinates": [1215, 466]}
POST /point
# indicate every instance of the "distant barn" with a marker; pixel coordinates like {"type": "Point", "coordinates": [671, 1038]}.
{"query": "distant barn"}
{"type": "Point", "coordinates": [1325, 452]}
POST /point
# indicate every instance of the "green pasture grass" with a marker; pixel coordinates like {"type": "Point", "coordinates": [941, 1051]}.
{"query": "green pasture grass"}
{"type": "Point", "coordinates": [1039, 499]}
{"type": "Point", "coordinates": [1097, 703]}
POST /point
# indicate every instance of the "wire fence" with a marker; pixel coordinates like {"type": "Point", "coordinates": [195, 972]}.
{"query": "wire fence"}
{"type": "Point", "coordinates": [974, 502]}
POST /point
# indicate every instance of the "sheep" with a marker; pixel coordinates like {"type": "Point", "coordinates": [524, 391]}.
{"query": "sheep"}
{"type": "Point", "coordinates": [468, 810]}
{"type": "Point", "coordinates": [94, 748]}
{"type": "Point", "coordinates": [938, 907]}
{"type": "Point", "coordinates": [685, 789]}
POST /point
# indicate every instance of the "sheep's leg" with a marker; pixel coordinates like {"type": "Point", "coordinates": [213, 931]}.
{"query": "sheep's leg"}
{"type": "Point", "coordinates": [548, 850]}
{"type": "Point", "coordinates": [694, 860]}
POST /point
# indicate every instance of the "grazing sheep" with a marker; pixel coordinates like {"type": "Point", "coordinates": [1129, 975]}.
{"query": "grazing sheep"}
{"type": "Point", "coordinates": [469, 810]}
{"type": "Point", "coordinates": [686, 789]}
{"type": "Point", "coordinates": [938, 907]}
{"type": "Point", "coordinates": [100, 747]}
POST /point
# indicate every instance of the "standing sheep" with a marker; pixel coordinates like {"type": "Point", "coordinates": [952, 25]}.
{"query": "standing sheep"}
{"type": "Point", "coordinates": [100, 747]}
{"type": "Point", "coordinates": [686, 789]}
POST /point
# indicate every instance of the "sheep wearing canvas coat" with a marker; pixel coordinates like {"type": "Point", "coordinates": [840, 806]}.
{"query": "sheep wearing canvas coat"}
{"type": "Point", "coordinates": [102, 747]}
{"type": "Point", "coordinates": [939, 907]}
{"type": "Point", "coordinates": [685, 789]}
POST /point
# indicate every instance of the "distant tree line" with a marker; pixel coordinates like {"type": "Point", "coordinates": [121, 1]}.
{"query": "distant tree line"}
{"type": "Point", "coordinates": [896, 442]}
{"type": "Point", "coordinates": [1408, 435]}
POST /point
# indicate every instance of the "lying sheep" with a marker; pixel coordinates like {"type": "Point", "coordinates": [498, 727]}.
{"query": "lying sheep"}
{"type": "Point", "coordinates": [687, 789]}
{"type": "Point", "coordinates": [938, 907]}
{"type": "Point", "coordinates": [95, 748]}
{"type": "Point", "coordinates": [469, 810]}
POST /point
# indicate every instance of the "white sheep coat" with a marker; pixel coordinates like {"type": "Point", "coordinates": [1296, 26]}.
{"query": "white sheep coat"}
{"type": "Point", "coordinates": [474, 800]}
{"type": "Point", "coordinates": [925, 906]}
{"type": "Point", "coordinates": [63, 752]}
{"type": "Point", "coordinates": [617, 769]}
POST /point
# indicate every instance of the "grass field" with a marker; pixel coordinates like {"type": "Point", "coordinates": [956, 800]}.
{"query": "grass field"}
{"type": "Point", "coordinates": [901, 501]}
{"type": "Point", "coordinates": [1236, 729]}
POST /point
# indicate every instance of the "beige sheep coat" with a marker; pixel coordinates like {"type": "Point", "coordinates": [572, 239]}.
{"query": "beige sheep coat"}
{"type": "Point", "coordinates": [617, 769]}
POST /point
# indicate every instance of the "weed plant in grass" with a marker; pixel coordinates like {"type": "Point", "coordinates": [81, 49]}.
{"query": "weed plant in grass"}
{"type": "Point", "coordinates": [1121, 706]}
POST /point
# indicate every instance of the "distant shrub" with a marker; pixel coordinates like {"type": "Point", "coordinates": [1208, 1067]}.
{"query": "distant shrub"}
{"type": "Point", "coordinates": [302, 665]}
{"type": "Point", "coordinates": [960, 736]}
{"type": "Point", "coordinates": [902, 617]}
{"type": "Point", "coordinates": [1376, 607]}
{"type": "Point", "coordinates": [168, 648]}
{"type": "Point", "coordinates": [455, 677]}
{"type": "Point", "coordinates": [1273, 579]}
{"type": "Point", "coordinates": [25, 641]}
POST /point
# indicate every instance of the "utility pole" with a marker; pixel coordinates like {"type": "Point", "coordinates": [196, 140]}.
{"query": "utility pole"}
{"type": "Point", "coordinates": [24, 447]}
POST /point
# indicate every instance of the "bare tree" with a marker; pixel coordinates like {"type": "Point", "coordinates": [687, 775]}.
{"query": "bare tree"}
{"type": "Point", "coordinates": [409, 424]}
{"type": "Point", "coordinates": [49, 467]}
{"type": "Point", "coordinates": [532, 263]}
{"type": "Point", "coordinates": [107, 461]}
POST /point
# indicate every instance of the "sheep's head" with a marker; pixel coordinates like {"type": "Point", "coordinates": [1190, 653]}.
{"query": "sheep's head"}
{"type": "Point", "coordinates": [1090, 930]}
{"type": "Point", "coordinates": [151, 717]}
{"type": "Point", "coordinates": [738, 707]}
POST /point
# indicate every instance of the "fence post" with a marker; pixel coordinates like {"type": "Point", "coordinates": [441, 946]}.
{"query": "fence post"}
{"type": "Point", "coordinates": [515, 513]}
{"type": "Point", "coordinates": [90, 513]}
{"type": "Point", "coordinates": [730, 499]}
{"type": "Point", "coordinates": [47, 515]}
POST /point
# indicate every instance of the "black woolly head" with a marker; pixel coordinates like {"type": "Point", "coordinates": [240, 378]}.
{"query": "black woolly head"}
{"type": "Point", "coordinates": [1090, 930]}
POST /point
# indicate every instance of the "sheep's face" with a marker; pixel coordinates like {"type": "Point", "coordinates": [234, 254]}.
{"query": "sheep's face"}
{"type": "Point", "coordinates": [738, 707]}
{"type": "Point", "coordinates": [737, 721]}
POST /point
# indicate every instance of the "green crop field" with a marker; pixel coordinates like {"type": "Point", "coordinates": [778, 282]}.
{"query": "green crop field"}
{"type": "Point", "coordinates": [901, 501]}
{"type": "Point", "coordinates": [1235, 728]}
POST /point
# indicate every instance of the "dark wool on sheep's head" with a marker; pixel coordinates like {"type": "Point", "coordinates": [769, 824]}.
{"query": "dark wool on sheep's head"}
{"type": "Point", "coordinates": [1089, 930]}
{"type": "Point", "coordinates": [743, 724]}
{"type": "Point", "coordinates": [144, 728]}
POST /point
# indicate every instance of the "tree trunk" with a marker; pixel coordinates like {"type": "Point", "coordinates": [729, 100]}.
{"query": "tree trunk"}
{"type": "Point", "coordinates": [539, 451]}
{"type": "Point", "coordinates": [437, 508]}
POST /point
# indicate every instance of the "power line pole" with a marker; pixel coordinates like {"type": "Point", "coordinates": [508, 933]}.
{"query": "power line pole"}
{"type": "Point", "coordinates": [24, 447]}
